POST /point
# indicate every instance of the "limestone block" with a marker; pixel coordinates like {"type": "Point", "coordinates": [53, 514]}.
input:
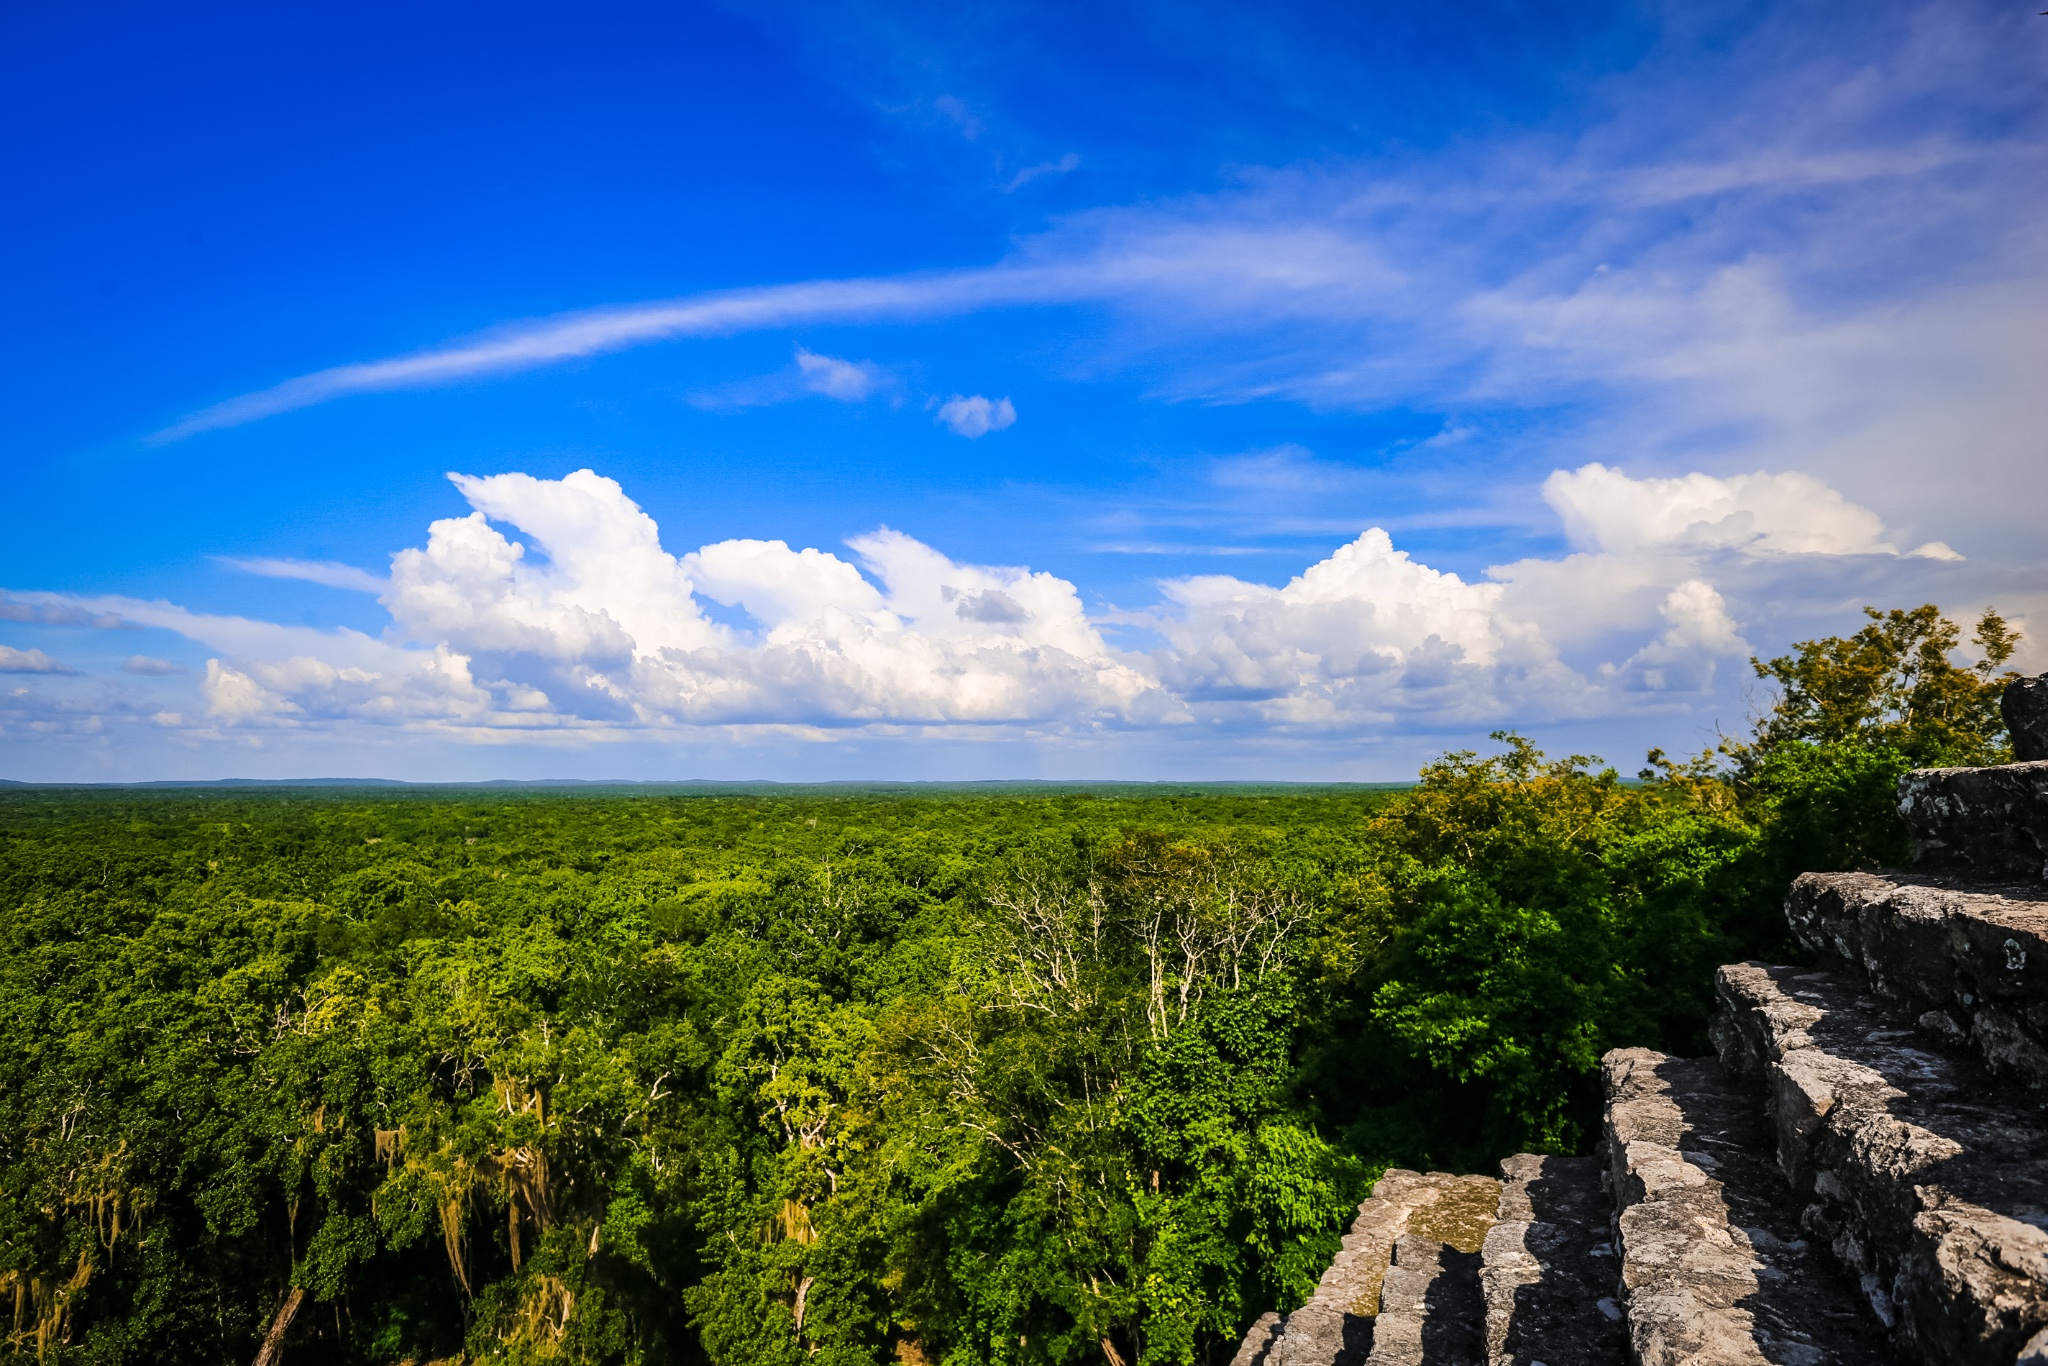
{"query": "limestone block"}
{"type": "Point", "coordinates": [1431, 1312]}
{"type": "Point", "coordinates": [1548, 1269]}
{"type": "Point", "coordinates": [1714, 1268]}
{"type": "Point", "coordinates": [1966, 961]}
{"type": "Point", "coordinates": [2024, 705]}
{"type": "Point", "coordinates": [1988, 823]}
{"type": "Point", "coordinates": [1921, 1174]}
{"type": "Point", "coordinates": [1336, 1326]}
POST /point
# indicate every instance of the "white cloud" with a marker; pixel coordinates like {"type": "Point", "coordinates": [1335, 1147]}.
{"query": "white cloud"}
{"type": "Point", "coordinates": [975, 416]}
{"type": "Point", "coordinates": [1354, 639]}
{"type": "Point", "coordinates": [53, 613]}
{"type": "Point", "coordinates": [606, 592]}
{"type": "Point", "coordinates": [1683, 659]}
{"type": "Point", "coordinates": [430, 689]}
{"type": "Point", "coordinates": [325, 572]}
{"type": "Point", "coordinates": [553, 609]}
{"type": "Point", "coordinates": [1648, 547]}
{"type": "Point", "coordinates": [146, 666]}
{"type": "Point", "coordinates": [527, 345]}
{"type": "Point", "coordinates": [13, 661]}
{"type": "Point", "coordinates": [835, 378]}
{"type": "Point", "coordinates": [781, 587]}
{"type": "Point", "coordinates": [1605, 510]}
{"type": "Point", "coordinates": [610, 626]}
{"type": "Point", "coordinates": [1064, 166]}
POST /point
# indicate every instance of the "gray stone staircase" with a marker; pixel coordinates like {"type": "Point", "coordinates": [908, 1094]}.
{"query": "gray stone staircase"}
{"type": "Point", "coordinates": [1860, 1175]}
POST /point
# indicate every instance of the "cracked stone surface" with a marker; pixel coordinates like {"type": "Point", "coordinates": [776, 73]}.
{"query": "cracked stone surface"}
{"type": "Point", "coordinates": [1988, 823]}
{"type": "Point", "coordinates": [1549, 1273]}
{"type": "Point", "coordinates": [1336, 1326]}
{"type": "Point", "coordinates": [2024, 705]}
{"type": "Point", "coordinates": [1967, 961]}
{"type": "Point", "coordinates": [1715, 1268]}
{"type": "Point", "coordinates": [1925, 1177]}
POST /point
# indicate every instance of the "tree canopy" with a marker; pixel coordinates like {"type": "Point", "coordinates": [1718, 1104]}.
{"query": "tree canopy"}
{"type": "Point", "coordinates": [1028, 1077]}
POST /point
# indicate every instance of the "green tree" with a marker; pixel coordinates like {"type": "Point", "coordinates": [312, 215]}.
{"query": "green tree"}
{"type": "Point", "coordinates": [1893, 685]}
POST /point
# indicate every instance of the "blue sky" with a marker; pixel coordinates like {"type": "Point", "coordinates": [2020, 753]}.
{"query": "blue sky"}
{"type": "Point", "coordinates": [1056, 391]}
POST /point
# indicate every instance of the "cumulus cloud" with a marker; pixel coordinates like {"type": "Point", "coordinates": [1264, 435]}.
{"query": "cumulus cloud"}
{"type": "Point", "coordinates": [604, 592]}
{"type": "Point", "coordinates": [974, 416]}
{"type": "Point", "coordinates": [1605, 510]}
{"type": "Point", "coordinates": [1683, 658]}
{"type": "Point", "coordinates": [553, 609]}
{"type": "Point", "coordinates": [1363, 632]}
{"type": "Point", "coordinates": [606, 624]}
{"type": "Point", "coordinates": [13, 661]}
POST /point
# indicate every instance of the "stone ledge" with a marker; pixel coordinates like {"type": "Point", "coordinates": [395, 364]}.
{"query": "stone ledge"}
{"type": "Point", "coordinates": [1920, 1178]}
{"type": "Point", "coordinates": [1967, 961]}
{"type": "Point", "coordinates": [1549, 1275]}
{"type": "Point", "coordinates": [1713, 1264]}
{"type": "Point", "coordinates": [1990, 823]}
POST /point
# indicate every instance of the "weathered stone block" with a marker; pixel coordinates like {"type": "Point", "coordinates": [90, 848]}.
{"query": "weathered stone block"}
{"type": "Point", "coordinates": [1336, 1326]}
{"type": "Point", "coordinates": [2024, 704]}
{"type": "Point", "coordinates": [1966, 962]}
{"type": "Point", "coordinates": [1714, 1266]}
{"type": "Point", "coordinates": [1920, 1178]}
{"type": "Point", "coordinates": [1431, 1313]}
{"type": "Point", "coordinates": [1989, 823]}
{"type": "Point", "coordinates": [1549, 1273]}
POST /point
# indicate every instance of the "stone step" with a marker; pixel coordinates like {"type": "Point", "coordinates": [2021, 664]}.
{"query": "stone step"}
{"type": "Point", "coordinates": [1715, 1270]}
{"type": "Point", "coordinates": [1986, 823]}
{"type": "Point", "coordinates": [1967, 961]}
{"type": "Point", "coordinates": [1549, 1273]}
{"type": "Point", "coordinates": [1336, 1326]}
{"type": "Point", "coordinates": [1431, 1310]}
{"type": "Point", "coordinates": [1925, 1176]}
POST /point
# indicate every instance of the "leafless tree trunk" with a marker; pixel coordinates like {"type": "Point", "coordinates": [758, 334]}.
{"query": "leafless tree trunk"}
{"type": "Point", "coordinates": [273, 1341]}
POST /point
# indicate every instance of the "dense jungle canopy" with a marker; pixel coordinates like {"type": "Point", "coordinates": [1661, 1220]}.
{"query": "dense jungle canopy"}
{"type": "Point", "coordinates": [1031, 1076]}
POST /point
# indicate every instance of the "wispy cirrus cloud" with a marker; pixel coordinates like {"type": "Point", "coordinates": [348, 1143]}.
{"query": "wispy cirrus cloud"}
{"type": "Point", "coordinates": [1782, 253]}
{"type": "Point", "coordinates": [1064, 166]}
{"type": "Point", "coordinates": [811, 375]}
{"type": "Point", "coordinates": [549, 341]}
{"type": "Point", "coordinates": [325, 572]}
{"type": "Point", "coordinates": [60, 614]}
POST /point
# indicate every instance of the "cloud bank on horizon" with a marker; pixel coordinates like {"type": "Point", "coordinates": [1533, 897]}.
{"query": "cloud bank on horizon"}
{"type": "Point", "coordinates": [1547, 415]}
{"type": "Point", "coordinates": [585, 625]}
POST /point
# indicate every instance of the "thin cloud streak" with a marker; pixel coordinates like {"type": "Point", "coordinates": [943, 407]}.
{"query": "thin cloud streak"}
{"type": "Point", "coordinates": [525, 346]}
{"type": "Point", "coordinates": [324, 572]}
